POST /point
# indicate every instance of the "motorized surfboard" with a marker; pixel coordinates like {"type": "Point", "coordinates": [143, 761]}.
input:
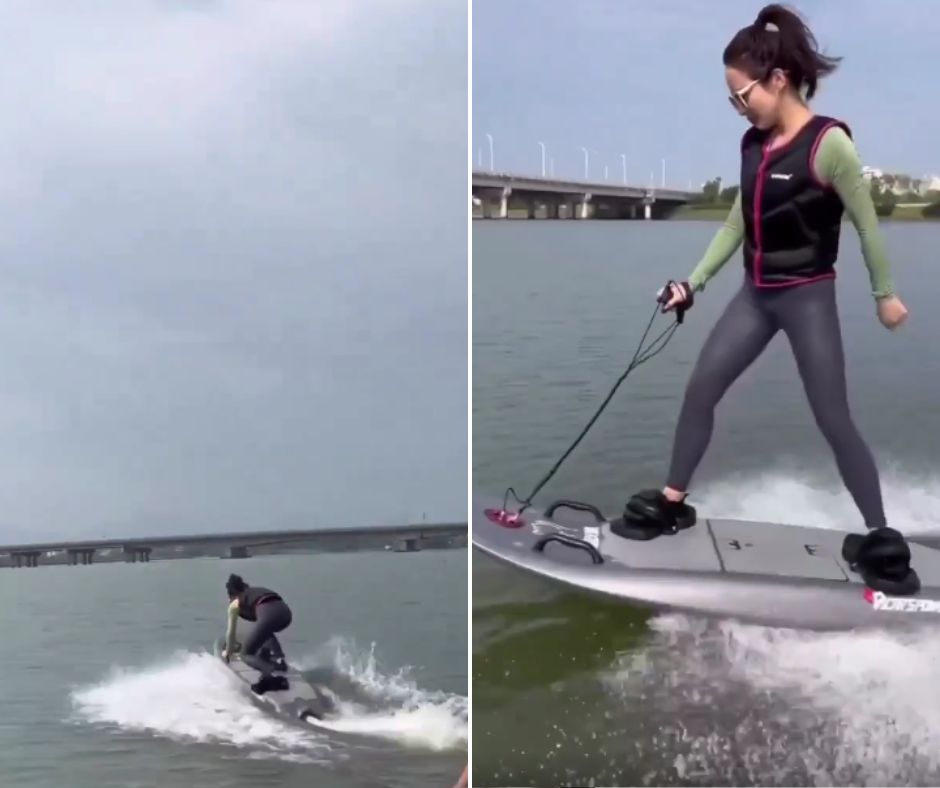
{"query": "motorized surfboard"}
{"type": "Point", "coordinates": [760, 572]}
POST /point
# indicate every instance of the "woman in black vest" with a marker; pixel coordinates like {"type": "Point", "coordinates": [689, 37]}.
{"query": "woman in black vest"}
{"type": "Point", "coordinates": [270, 614]}
{"type": "Point", "coordinates": [799, 173]}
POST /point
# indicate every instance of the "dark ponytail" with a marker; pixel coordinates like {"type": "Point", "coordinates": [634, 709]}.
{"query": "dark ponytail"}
{"type": "Point", "coordinates": [788, 45]}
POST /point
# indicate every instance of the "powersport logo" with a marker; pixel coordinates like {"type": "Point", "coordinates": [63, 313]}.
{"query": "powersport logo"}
{"type": "Point", "coordinates": [881, 601]}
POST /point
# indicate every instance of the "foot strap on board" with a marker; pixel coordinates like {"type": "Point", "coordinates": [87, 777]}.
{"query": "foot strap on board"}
{"type": "Point", "coordinates": [883, 558]}
{"type": "Point", "coordinates": [269, 683]}
{"type": "Point", "coordinates": [649, 514]}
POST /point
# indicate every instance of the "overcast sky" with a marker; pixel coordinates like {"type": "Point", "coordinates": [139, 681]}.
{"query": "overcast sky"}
{"type": "Point", "coordinates": [646, 79]}
{"type": "Point", "coordinates": [233, 269]}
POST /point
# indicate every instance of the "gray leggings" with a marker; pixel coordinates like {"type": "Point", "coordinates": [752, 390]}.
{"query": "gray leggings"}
{"type": "Point", "coordinates": [808, 315]}
{"type": "Point", "coordinates": [273, 616]}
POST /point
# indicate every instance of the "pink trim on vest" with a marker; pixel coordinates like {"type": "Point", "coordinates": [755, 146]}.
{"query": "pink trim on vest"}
{"type": "Point", "coordinates": [759, 193]}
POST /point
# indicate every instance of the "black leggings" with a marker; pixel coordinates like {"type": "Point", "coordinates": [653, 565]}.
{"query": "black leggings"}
{"type": "Point", "coordinates": [808, 315]}
{"type": "Point", "coordinates": [273, 616]}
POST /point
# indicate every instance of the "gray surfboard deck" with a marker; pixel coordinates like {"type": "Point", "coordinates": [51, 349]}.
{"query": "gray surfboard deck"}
{"type": "Point", "coordinates": [759, 572]}
{"type": "Point", "coordinates": [300, 701]}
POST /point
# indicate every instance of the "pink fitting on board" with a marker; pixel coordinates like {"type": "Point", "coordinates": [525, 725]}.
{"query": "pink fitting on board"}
{"type": "Point", "coordinates": [504, 518]}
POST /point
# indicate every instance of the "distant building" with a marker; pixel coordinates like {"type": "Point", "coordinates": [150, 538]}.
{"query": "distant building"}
{"type": "Point", "coordinates": [930, 183]}
{"type": "Point", "coordinates": [900, 183]}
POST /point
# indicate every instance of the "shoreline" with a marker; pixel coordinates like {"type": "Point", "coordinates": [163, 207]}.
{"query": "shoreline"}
{"type": "Point", "coordinates": [712, 213]}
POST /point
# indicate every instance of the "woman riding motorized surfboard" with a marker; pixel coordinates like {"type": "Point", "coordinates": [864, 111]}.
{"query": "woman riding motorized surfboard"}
{"type": "Point", "coordinates": [270, 614]}
{"type": "Point", "coordinates": [799, 173]}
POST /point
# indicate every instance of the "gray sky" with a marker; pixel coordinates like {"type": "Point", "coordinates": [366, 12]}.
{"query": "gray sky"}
{"type": "Point", "coordinates": [233, 267]}
{"type": "Point", "coordinates": [646, 79]}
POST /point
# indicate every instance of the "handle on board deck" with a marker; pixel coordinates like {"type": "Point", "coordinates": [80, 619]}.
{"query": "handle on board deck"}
{"type": "Point", "coordinates": [569, 541]}
{"type": "Point", "coordinates": [577, 506]}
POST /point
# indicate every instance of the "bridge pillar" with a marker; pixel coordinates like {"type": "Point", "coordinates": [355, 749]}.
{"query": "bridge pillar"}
{"type": "Point", "coordinates": [648, 211]}
{"type": "Point", "coordinates": [29, 558]}
{"type": "Point", "coordinates": [586, 207]}
{"type": "Point", "coordinates": [238, 551]}
{"type": "Point", "coordinates": [135, 553]}
{"type": "Point", "coordinates": [531, 209]}
{"type": "Point", "coordinates": [504, 203]}
{"type": "Point", "coordinates": [81, 555]}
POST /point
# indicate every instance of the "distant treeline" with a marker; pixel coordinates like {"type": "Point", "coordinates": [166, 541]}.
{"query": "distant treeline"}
{"type": "Point", "coordinates": [885, 200]}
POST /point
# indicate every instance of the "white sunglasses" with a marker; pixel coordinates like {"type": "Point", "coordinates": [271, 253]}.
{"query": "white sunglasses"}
{"type": "Point", "coordinates": [738, 98]}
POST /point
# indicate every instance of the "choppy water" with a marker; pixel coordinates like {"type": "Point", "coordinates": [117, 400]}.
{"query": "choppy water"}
{"type": "Point", "coordinates": [574, 691]}
{"type": "Point", "coordinates": [109, 681]}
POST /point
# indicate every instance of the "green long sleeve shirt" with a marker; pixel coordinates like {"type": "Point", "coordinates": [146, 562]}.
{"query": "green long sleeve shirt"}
{"type": "Point", "coordinates": [231, 623]}
{"type": "Point", "coordinates": [837, 162]}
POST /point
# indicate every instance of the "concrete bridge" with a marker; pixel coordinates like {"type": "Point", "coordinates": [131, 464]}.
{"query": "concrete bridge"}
{"type": "Point", "coordinates": [496, 195]}
{"type": "Point", "coordinates": [401, 538]}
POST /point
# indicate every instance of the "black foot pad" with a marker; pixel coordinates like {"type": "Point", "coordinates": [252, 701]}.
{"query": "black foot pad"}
{"type": "Point", "coordinates": [883, 558]}
{"type": "Point", "coordinates": [908, 585]}
{"type": "Point", "coordinates": [640, 530]}
{"type": "Point", "coordinates": [269, 684]}
{"type": "Point", "coordinates": [649, 514]}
